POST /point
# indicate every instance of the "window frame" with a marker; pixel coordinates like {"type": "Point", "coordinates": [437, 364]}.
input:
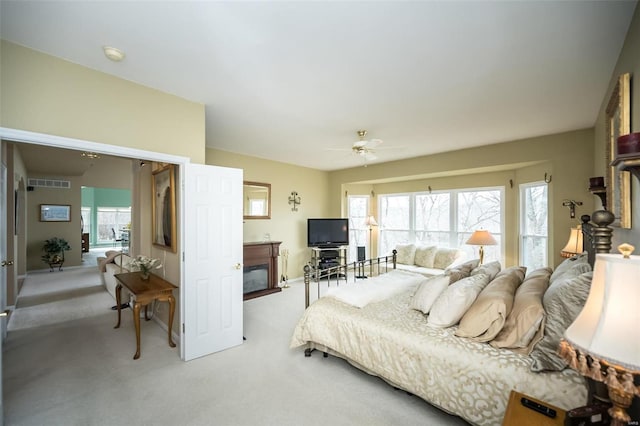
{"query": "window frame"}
{"type": "Point", "coordinates": [523, 187]}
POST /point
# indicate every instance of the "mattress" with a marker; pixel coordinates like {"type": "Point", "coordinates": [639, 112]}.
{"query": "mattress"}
{"type": "Point", "coordinates": [469, 379]}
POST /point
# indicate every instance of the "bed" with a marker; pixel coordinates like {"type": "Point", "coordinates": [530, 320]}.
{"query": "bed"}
{"type": "Point", "coordinates": [388, 339]}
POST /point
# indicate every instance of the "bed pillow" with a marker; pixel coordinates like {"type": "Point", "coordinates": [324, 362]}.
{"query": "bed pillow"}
{"type": "Point", "coordinates": [445, 257]}
{"type": "Point", "coordinates": [425, 256]}
{"type": "Point", "coordinates": [428, 292]}
{"type": "Point", "coordinates": [406, 253]}
{"type": "Point", "coordinates": [456, 273]}
{"type": "Point", "coordinates": [562, 302]}
{"type": "Point", "coordinates": [451, 305]}
{"type": "Point", "coordinates": [491, 269]}
{"type": "Point", "coordinates": [524, 326]}
{"type": "Point", "coordinates": [485, 318]}
{"type": "Point", "coordinates": [568, 264]}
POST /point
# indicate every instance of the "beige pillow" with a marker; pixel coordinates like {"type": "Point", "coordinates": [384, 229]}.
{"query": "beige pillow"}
{"type": "Point", "coordinates": [491, 269]}
{"type": "Point", "coordinates": [406, 253]}
{"type": "Point", "coordinates": [445, 257]}
{"type": "Point", "coordinates": [456, 273]}
{"type": "Point", "coordinates": [485, 318]}
{"type": "Point", "coordinates": [451, 305]}
{"type": "Point", "coordinates": [563, 301]}
{"type": "Point", "coordinates": [425, 256]}
{"type": "Point", "coordinates": [428, 292]}
{"type": "Point", "coordinates": [525, 324]}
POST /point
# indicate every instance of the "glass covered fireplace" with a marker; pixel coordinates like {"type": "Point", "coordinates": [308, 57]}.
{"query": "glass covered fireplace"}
{"type": "Point", "coordinates": [255, 278]}
{"type": "Point", "coordinates": [260, 273]}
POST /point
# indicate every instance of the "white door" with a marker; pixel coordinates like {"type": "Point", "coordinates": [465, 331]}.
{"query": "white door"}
{"type": "Point", "coordinates": [212, 305]}
{"type": "Point", "coordinates": [3, 269]}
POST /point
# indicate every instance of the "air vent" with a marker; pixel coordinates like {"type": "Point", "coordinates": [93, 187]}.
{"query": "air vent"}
{"type": "Point", "coordinates": [49, 183]}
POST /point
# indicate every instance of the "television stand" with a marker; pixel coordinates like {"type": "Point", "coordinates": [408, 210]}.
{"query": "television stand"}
{"type": "Point", "coordinates": [323, 258]}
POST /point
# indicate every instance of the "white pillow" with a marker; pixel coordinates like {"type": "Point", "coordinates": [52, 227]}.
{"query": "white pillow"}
{"type": "Point", "coordinates": [451, 305]}
{"type": "Point", "coordinates": [425, 256]}
{"type": "Point", "coordinates": [406, 253]}
{"type": "Point", "coordinates": [428, 292]}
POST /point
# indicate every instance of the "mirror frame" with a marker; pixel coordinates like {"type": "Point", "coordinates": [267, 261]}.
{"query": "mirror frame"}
{"type": "Point", "coordinates": [260, 184]}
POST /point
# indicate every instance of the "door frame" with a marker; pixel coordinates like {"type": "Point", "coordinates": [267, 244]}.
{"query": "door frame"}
{"type": "Point", "coordinates": [23, 136]}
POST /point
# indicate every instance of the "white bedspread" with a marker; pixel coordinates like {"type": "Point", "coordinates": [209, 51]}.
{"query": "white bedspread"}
{"type": "Point", "coordinates": [469, 379]}
{"type": "Point", "coordinates": [376, 289]}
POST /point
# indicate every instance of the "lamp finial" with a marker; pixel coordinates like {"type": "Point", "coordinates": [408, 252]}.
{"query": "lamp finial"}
{"type": "Point", "coordinates": [626, 250]}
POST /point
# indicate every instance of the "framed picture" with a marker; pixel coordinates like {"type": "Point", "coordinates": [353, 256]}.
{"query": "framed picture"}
{"type": "Point", "coordinates": [618, 182]}
{"type": "Point", "coordinates": [55, 213]}
{"type": "Point", "coordinates": [164, 208]}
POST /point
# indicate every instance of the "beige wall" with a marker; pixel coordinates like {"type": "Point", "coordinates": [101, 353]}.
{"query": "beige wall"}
{"type": "Point", "coordinates": [628, 61]}
{"type": "Point", "coordinates": [38, 231]}
{"type": "Point", "coordinates": [45, 94]}
{"type": "Point", "coordinates": [566, 157]}
{"type": "Point", "coordinates": [285, 225]}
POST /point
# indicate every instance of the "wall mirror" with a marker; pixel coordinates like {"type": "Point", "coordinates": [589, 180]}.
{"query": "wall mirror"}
{"type": "Point", "coordinates": [257, 200]}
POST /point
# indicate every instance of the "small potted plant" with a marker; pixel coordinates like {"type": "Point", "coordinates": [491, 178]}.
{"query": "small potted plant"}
{"type": "Point", "coordinates": [54, 249]}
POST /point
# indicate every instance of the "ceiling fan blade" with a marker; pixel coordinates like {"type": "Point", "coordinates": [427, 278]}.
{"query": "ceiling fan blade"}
{"type": "Point", "coordinates": [369, 156]}
{"type": "Point", "coordinates": [359, 144]}
{"type": "Point", "coordinates": [372, 143]}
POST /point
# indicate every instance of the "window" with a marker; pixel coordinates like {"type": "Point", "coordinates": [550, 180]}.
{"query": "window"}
{"type": "Point", "coordinates": [110, 221]}
{"type": "Point", "coordinates": [358, 206]}
{"type": "Point", "coordinates": [445, 219]}
{"type": "Point", "coordinates": [395, 221]}
{"type": "Point", "coordinates": [533, 225]}
{"type": "Point", "coordinates": [433, 213]}
{"type": "Point", "coordinates": [85, 214]}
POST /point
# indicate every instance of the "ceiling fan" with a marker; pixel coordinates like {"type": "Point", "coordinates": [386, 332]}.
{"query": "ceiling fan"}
{"type": "Point", "coordinates": [365, 148]}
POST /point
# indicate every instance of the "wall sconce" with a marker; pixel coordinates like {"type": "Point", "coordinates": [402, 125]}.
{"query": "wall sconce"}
{"type": "Point", "coordinates": [572, 206]}
{"type": "Point", "coordinates": [294, 199]}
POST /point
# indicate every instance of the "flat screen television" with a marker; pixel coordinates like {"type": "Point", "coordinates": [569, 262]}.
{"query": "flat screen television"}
{"type": "Point", "coordinates": [327, 232]}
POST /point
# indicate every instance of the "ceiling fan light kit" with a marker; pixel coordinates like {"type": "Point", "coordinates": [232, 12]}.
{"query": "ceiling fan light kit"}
{"type": "Point", "coordinates": [365, 148]}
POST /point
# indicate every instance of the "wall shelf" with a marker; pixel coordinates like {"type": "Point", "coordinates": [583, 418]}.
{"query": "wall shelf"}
{"type": "Point", "coordinates": [629, 163]}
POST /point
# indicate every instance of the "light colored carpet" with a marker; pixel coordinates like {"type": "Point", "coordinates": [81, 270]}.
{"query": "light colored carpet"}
{"type": "Point", "coordinates": [47, 298]}
{"type": "Point", "coordinates": [81, 372]}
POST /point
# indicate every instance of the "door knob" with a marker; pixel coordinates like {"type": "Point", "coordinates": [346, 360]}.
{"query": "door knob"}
{"type": "Point", "coordinates": [5, 313]}
{"type": "Point", "coordinates": [6, 263]}
{"type": "Point", "coordinates": [238, 266]}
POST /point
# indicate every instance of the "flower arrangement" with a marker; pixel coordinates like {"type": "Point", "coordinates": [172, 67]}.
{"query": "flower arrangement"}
{"type": "Point", "coordinates": [144, 264]}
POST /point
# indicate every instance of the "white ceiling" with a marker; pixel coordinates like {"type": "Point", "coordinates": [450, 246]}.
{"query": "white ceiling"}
{"type": "Point", "coordinates": [294, 81]}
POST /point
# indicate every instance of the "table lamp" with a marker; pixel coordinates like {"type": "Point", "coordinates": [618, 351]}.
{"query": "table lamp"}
{"type": "Point", "coordinates": [574, 245]}
{"type": "Point", "coordinates": [481, 238]}
{"type": "Point", "coordinates": [603, 342]}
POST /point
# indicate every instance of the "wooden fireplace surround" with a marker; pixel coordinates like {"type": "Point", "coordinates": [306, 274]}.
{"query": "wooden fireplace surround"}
{"type": "Point", "coordinates": [263, 253]}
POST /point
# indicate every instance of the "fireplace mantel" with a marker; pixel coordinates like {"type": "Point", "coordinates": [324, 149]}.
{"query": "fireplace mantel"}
{"type": "Point", "coordinates": [263, 253]}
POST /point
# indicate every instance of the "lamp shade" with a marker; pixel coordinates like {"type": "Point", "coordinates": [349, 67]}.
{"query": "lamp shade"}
{"type": "Point", "coordinates": [608, 328]}
{"type": "Point", "coordinates": [481, 237]}
{"type": "Point", "coordinates": [370, 221]}
{"type": "Point", "coordinates": [574, 245]}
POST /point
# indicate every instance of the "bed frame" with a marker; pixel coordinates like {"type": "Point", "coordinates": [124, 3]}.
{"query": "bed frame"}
{"type": "Point", "coordinates": [597, 233]}
{"type": "Point", "coordinates": [357, 271]}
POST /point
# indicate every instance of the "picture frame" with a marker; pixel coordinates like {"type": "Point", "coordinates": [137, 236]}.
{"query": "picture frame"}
{"type": "Point", "coordinates": [163, 206]}
{"type": "Point", "coordinates": [55, 213]}
{"type": "Point", "coordinates": [618, 122]}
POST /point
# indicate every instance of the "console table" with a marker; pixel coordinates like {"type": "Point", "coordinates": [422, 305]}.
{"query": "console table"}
{"type": "Point", "coordinates": [260, 274]}
{"type": "Point", "coordinates": [144, 292]}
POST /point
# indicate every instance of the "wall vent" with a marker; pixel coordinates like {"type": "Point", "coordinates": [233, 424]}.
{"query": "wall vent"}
{"type": "Point", "coordinates": [49, 183]}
